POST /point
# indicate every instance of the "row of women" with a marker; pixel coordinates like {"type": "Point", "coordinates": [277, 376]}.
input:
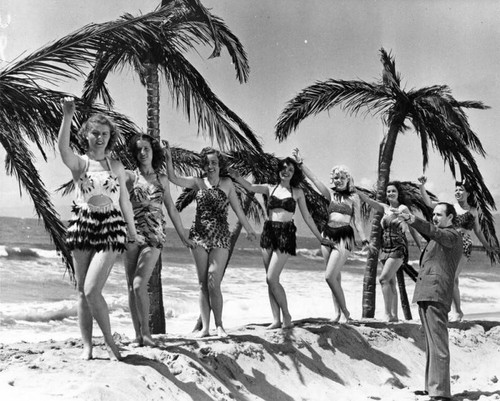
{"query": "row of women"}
{"type": "Point", "coordinates": [117, 210]}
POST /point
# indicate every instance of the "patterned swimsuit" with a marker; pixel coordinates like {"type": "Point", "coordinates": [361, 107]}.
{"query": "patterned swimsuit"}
{"type": "Point", "coordinates": [464, 223]}
{"type": "Point", "coordinates": [210, 228]}
{"type": "Point", "coordinates": [147, 202]}
{"type": "Point", "coordinates": [342, 236]}
{"type": "Point", "coordinates": [394, 242]}
{"type": "Point", "coordinates": [99, 228]}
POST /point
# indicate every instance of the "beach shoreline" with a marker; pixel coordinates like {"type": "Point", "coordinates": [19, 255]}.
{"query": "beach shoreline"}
{"type": "Point", "coordinates": [368, 360]}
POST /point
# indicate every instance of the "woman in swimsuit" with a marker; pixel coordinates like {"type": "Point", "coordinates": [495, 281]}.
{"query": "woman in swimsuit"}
{"type": "Point", "coordinates": [278, 240]}
{"type": "Point", "coordinates": [394, 252]}
{"type": "Point", "coordinates": [97, 231]}
{"type": "Point", "coordinates": [467, 221]}
{"type": "Point", "coordinates": [344, 211]}
{"type": "Point", "coordinates": [149, 191]}
{"type": "Point", "coordinates": [210, 230]}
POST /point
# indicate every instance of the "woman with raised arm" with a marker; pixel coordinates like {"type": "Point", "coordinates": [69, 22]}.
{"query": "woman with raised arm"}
{"type": "Point", "coordinates": [394, 252]}
{"type": "Point", "coordinates": [466, 222]}
{"type": "Point", "coordinates": [149, 191]}
{"type": "Point", "coordinates": [210, 230]}
{"type": "Point", "coordinates": [278, 238]}
{"type": "Point", "coordinates": [97, 231]}
{"type": "Point", "coordinates": [344, 211]}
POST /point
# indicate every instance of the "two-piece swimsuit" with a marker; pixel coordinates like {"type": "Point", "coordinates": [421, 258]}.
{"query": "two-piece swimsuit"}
{"type": "Point", "coordinates": [394, 242]}
{"type": "Point", "coordinates": [96, 227]}
{"type": "Point", "coordinates": [280, 235]}
{"type": "Point", "coordinates": [210, 227]}
{"type": "Point", "coordinates": [341, 235]}
{"type": "Point", "coordinates": [465, 223]}
{"type": "Point", "coordinates": [147, 203]}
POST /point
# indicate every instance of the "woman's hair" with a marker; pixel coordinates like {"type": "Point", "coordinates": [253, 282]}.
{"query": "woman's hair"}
{"type": "Point", "coordinates": [98, 119]}
{"type": "Point", "coordinates": [222, 160]}
{"type": "Point", "coordinates": [401, 195]}
{"type": "Point", "coordinates": [341, 169]}
{"type": "Point", "coordinates": [465, 185]}
{"type": "Point", "coordinates": [297, 177]}
{"type": "Point", "coordinates": [158, 156]}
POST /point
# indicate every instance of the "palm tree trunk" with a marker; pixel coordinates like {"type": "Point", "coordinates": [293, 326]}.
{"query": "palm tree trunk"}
{"type": "Point", "coordinates": [405, 304]}
{"type": "Point", "coordinates": [155, 290]}
{"type": "Point", "coordinates": [385, 160]}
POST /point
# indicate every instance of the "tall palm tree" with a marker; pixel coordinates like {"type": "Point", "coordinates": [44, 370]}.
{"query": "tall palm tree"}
{"type": "Point", "coordinates": [186, 23]}
{"type": "Point", "coordinates": [435, 116]}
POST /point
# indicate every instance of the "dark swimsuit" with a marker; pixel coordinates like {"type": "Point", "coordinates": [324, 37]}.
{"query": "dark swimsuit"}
{"type": "Point", "coordinates": [280, 235]}
{"type": "Point", "coordinates": [463, 222]}
{"type": "Point", "coordinates": [342, 236]}
{"type": "Point", "coordinates": [147, 202]}
{"type": "Point", "coordinates": [210, 228]}
{"type": "Point", "coordinates": [394, 242]}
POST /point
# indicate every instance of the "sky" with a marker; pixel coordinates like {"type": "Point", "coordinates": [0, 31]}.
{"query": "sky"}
{"type": "Point", "coordinates": [292, 44]}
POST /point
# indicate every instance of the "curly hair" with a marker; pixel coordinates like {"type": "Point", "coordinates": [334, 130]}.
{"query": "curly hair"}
{"type": "Point", "coordinates": [298, 175]}
{"type": "Point", "coordinates": [222, 160]}
{"type": "Point", "coordinates": [158, 156]}
{"type": "Point", "coordinates": [341, 169]}
{"type": "Point", "coordinates": [467, 187]}
{"type": "Point", "coordinates": [98, 119]}
{"type": "Point", "coordinates": [401, 195]}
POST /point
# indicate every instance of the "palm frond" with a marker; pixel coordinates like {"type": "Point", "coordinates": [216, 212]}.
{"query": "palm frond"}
{"type": "Point", "coordinates": [352, 96]}
{"type": "Point", "coordinates": [19, 162]}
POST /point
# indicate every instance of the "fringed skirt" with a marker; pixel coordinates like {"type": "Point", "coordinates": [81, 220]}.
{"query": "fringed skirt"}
{"type": "Point", "coordinates": [99, 228]}
{"type": "Point", "coordinates": [278, 235]}
{"type": "Point", "coordinates": [342, 237]}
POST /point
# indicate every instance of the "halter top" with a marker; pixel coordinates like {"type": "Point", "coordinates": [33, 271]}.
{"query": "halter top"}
{"type": "Point", "coordinates": [287, 204]}
{"type": "Point", "coordinates": [146, 193]}
{"type": "Point", "coordinates": [339, 205]}
{"type": "Point", "coordinates": [97, 183]}
{"type": "Point", "coordinates": [465, 221]}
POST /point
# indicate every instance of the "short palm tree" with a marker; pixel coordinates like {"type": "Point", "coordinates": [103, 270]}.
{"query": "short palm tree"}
{"type": "Point", "coordinates": [436, 117]}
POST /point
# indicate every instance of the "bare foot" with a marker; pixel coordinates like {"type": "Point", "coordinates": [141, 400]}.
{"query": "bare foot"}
{"type": "Point", "coordinates": [86, 355]}
{"type": "Point", "coordinates": [288, 326]}
{"type": "Point", "coordinates": [221, 332]}
{"type": "Point", "coordinates": [113, 351]}
{"type": "Point", "coordinates": [202, 334]}
{"type": "Point", "coordinates": [335, 319]}
{"type": "Point", "coordinates": [457, 317]}
{"type": "Point", "coordinates": [274, 325]}
{"type": "Point", "coordinates": [138, 342]}
{"type": "Point", "coordinates": [148, 341]}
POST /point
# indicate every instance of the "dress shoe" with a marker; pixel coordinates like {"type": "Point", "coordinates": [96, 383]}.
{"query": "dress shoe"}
{"type": "Point", "coordinates": [421, 392]}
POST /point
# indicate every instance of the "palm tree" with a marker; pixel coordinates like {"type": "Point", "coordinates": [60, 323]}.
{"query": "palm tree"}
{"type": "Point", "coordinates": [436, 117]}
{"type": "Point", "coordinates": [161, 50]}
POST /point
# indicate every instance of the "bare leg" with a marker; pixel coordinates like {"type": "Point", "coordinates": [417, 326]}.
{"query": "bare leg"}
{"type": "Point", "coordinates": [217, 259]}
{"type": "Point", "coordinates": [200, 256]}
{"type": "Point", "coordinates": [145, 265]}
{"type": "Point", "coordinates": [81, 261]}
{"type": "Point", "coordinates": [389, 291]}
{"type": "Point", "coordinates": [457, 313]}
{"type": "Point", "coordinates": [276, 323]}
{"type": "Point", "coordinates": [130, 261]}
{"type": "Point", "coordinates": [335, 260]}
{"type": "Point", "coordinates": [277, 292]}
{"type": "Point", "coordinates": [97, 274]}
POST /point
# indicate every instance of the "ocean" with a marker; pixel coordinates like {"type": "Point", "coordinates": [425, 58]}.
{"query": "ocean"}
{"type": "Point", "coordinates": [37, 299]}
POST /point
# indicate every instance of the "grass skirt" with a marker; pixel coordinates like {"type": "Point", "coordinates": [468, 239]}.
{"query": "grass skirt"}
{"type": "Point", "coordinates": [278, 235]}
{"type": "Point", "coordinates": [342, 237]}
{"type": "Point", "coordinates": [99, 228]}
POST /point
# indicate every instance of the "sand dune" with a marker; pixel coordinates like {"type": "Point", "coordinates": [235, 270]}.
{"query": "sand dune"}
{"type": "Point", "coordinates": [368, 360]}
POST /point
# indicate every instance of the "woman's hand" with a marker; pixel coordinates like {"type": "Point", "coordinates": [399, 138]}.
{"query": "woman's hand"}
{"type": "Point", "coordinates": [422, 179]}
{"type": "Point", "coordinates": [138, 240]}
{"type": "Point", "coordinates": [68, 106]}
{"type": "Point", "coordinates": [327, 242]}
{"type": "Point", "coordinates": [233, 173]}
{"type": "Point", "coordinates": [251, 235]}
{"type": "Point", "coordinates": [298, 158]}
{"type": "Point", "coordinates": [188, 243]}
{"type": "Point", "coordinates": [167, 152]}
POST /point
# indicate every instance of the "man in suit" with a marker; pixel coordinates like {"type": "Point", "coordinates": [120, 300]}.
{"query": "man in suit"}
{"type": "Point", "coordinates": [434, 292]}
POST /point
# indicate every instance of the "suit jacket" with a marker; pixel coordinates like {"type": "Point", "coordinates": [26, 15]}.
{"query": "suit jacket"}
{"type": "Point", "coordinates": [438, 263]}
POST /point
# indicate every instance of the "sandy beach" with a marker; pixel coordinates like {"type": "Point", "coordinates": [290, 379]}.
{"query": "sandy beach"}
{"type": "Point", "coordinates": [368, 360]}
